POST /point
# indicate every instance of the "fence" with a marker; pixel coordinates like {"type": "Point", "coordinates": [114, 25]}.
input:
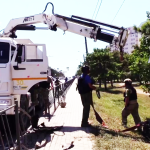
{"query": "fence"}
{"type": "Point", "coordinates": [57, 94]}
{"type": "Point", "coordinates": [7, 141]}
{"type": "Point", "coordinates": [21, 139]}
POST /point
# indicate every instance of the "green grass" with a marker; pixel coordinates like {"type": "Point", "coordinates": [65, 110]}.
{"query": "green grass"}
{"type": "Point", "coordinates": [110, 107]}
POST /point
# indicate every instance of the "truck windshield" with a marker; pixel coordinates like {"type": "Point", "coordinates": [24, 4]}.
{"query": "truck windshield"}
{"type": "Point", "coordinates": [4, 52]}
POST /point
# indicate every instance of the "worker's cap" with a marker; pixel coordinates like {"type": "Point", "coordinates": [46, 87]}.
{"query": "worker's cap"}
{"type": "Point", "coordinates": [128, 80]}
{"type": "Point", "coordinates": [85, 68]}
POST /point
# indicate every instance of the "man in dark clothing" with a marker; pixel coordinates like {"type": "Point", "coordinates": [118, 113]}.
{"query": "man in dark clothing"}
{"type": "Point", "coordinates": [131, 104]}
{"type": "Point", "coordinates": [42, 90]}
{"type": "Point", "coordinates": [86, 95]}
{"type": "Point", "coordinates": [58, 87]}
{"type": "Point", "coordinates": [57, 82]}
{"type": "Point", "coordinates": [66, 79]}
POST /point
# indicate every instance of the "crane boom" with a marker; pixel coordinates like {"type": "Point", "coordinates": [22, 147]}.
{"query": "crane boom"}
{"type": "Point", "coordinates": [79, 25]}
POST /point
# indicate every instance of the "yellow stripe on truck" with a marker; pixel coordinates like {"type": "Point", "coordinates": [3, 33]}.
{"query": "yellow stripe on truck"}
{"type": "Point", "coordinates": [29, 78]}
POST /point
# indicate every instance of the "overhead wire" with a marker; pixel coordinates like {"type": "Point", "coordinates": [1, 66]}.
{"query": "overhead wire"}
{"type": "Point", "coordinates": [118, 11]}
{"type": "Point", "coordinates": [98, 9]}
{"type": "Point", "coordinates": [1, 30]}
{"type": "Point", "coordinates": [95, 8]}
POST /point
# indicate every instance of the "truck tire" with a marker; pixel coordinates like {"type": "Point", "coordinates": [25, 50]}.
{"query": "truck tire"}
{"type": "Point", "coordinates": [24, 120]}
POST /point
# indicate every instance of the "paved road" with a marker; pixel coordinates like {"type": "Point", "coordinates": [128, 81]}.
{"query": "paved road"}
{"type": "Point", "coordinates": [70, 117]}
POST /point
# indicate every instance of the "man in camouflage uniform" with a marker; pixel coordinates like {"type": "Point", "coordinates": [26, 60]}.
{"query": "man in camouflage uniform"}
{"type": "Point", "coordinates": [42, 90]}
{"type": "Point", "coordinates": [131, 104]}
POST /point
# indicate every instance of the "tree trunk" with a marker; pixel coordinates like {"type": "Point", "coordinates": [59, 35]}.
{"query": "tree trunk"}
{"type": "Point", "coordinates": [105, 84]}
{"type": "Point", "coordinates": [99, 81]}
{"type": "Point", "coordinates": [111, 83]}
{"type": "Point", "coordinates": [140, 80]}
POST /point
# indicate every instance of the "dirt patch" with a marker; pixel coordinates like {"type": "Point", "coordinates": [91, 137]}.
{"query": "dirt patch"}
{"type": "Point", "coordinates": [139, 91]}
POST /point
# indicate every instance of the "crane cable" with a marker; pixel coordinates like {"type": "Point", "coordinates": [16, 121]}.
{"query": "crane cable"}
{"type": "Point", "coordinates": [118, 11]}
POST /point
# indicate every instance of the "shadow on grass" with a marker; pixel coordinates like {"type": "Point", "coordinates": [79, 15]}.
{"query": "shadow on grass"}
{"type": "Point", "coordinates": [98, 130]}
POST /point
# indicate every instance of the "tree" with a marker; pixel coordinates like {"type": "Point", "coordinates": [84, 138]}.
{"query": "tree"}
{"type": "Point", "coordinates": [55, 73]}
{"type": "Point", "coordinates": [139, 58]}
{"type": "Point", "coordinates": [101, 65]}
{"type": "Point", "coordinates": [106, 66]}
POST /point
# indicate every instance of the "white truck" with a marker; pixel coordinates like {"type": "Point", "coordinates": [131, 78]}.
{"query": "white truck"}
{"type": "Point", "coordinates": [24, 64]}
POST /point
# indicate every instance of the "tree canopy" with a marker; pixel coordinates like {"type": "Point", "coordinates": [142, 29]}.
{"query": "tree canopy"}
{"type": "Point", "coordinates": [55, 73]}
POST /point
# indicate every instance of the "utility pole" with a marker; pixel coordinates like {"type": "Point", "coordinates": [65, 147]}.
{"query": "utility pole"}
{"type": "Point", "coordinates": [86, 46]}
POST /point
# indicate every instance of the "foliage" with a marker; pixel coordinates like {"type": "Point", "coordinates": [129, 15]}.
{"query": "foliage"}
{"type": "Point", "coordinates": [144, 29]}
{"type": "Point", "coordinates": [55, 73]}
{"type": "Point", "coordinates": [106, 65]}
{"type": "Point", "coordinates": [139, 58]}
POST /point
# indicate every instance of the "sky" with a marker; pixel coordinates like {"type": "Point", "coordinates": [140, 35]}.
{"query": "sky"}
{"type": "Point", "coordinates": [67, 50]}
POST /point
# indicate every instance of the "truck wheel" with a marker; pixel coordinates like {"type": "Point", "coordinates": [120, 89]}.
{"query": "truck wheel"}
{"type": "Point", "coordinates": [24, 120]}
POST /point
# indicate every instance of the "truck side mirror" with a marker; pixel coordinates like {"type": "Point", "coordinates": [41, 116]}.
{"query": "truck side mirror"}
{"type": "Point", "coordinates": [19, 59]}
{"type": "Point", "coordinates": [19, 52]}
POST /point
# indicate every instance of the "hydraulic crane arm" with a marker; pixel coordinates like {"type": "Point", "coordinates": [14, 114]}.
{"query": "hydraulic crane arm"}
{"type": "Point", "coordinates": [24, 23]}
{"type": "Point", "coordinates": [82, 26]}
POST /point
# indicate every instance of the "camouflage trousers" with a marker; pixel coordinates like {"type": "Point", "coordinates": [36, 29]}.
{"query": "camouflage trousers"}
{"type": "Point", "coordinates": [41, 94]}
{"type": "Point", "coordinates": [86, 101]}
{"type": "Point", "coordinates": [133, 110]}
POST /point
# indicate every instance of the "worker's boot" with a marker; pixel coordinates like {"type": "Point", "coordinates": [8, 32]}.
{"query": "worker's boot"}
{"type": "Point", "coordinates": [124, 125]}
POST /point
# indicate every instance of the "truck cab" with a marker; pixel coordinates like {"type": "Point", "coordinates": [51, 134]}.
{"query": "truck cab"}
{"type": "Point", "coordinates": [22, 65]}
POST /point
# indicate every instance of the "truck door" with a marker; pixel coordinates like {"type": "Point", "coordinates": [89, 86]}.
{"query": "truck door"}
{"type": "Point", "coordinates": [29, 66]}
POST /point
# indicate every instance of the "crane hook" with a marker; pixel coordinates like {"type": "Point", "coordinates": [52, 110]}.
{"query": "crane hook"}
{"type": "Point", "coordinates": [52, 7]}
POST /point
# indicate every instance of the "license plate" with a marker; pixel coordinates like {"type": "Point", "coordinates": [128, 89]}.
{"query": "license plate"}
{"type": "Point", "coordinates": [4, 102]}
